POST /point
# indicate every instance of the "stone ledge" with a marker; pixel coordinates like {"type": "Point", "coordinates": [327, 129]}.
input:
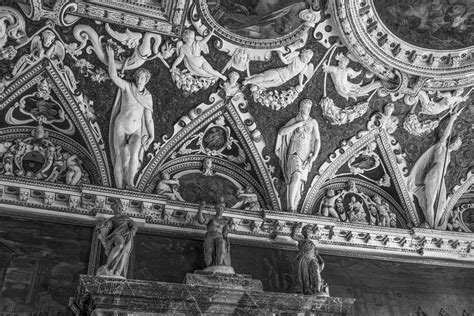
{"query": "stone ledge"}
{"type": "Point", "coordinates": [106, 295]}
{"type": "Point", "coordinates": [240, 282]}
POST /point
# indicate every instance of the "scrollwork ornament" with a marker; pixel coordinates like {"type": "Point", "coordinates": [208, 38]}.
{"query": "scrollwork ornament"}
{"type": "Point", "coordinates": [41, 107]}
{"type": "Point", "coordinates": [145, 46]}
{"type": "Point", "coordinates": [12, 26]}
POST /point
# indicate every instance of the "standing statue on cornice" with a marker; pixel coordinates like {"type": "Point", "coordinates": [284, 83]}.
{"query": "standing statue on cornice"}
{"type": "Point", "coordinates": [191, 53]}
{"type": "Point", "coordinates": [297, 147]}
{"type": "Point", "coordinates": [216, 242]}
{"type": "Point", "coordinates": [426, 180]}
{"type": "Point", "coordinates": [310, 263]}
{"type": "Point", "coordinates": [116, 235]}
{"type": "Point", "coordinates": [131, 124]}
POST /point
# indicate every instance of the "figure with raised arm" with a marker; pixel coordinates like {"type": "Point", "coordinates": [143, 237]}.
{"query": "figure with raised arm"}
{"type": "Point", "coordinates": [310, 263]}
{"type": "Point", "coordinates": [297, 147]}
{"type": "Point", "coordinates": [426, 179]}
{"type": "Point", "coordinates": [216, 243]}
{"type": "Point", "coordinates": [131, 124]}
{"type": "Point", "coordinates": [328, 205]}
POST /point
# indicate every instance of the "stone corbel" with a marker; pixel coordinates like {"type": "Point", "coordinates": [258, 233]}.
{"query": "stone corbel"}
{"type": "Point", "coordinates": [383, 239]}
{"type": "Point", "coordinates": [454, 243]}
{"type": "Point", "coordinates": [400, 240]}
{"type": "Point", "coordinates": [189, 217]}
{"type": "Point", "coordinates": [418, 240]}
{"type": "Point", "coordinates": [364, 236]}
{"type": "Point", "coordinates": [74, 201]}
{"type": "Point", "coordinates": [166, 214]}
{"type": "Point", "coordinates": [125, 204]}
{"type": "Point", "coordinates": [99, 202]}
{"type": "Point", "coordinates": [464, 251]}
{"type": "Point", "coordinates": [438, 242]}
{"type": "Point", "coordinates": [256, 225]}
{"type": "Point", "coordinates": [347, 235]}
{"type": "Point", "coordinates": [87, 201]}
{"type": "Point", "coordinates": [274, 229]}
{"type": "Point", "coordinates": [48, 198]}
{"type": "Point", "coordinates": [24, 195]}
{"type": "Point", "coordinates": [146, 208]}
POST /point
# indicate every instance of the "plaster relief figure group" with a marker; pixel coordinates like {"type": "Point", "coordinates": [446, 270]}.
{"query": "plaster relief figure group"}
{"type": "Point", "coordinates": [354, 206]}
{"type": "Point", "coordinates": [366, 179]}
{"type": "Point", "coordinates": [298, 142]}
{"type": "Point", "coordinates": [273, 123]}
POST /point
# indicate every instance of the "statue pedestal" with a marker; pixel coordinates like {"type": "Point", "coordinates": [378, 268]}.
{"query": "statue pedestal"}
{"type": "Point", "coordinates": [241, 282]}
{"type": "Point", "coordinates": [106, 296]}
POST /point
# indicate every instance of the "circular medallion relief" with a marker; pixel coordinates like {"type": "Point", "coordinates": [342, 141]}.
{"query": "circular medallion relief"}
{"type": "Point", "coordinates": [215, 138]}
{"type": "Point", "coordinates": [33, 162]}
{"type": "Point", "coordinates": [438, 24]}
{"type": "Point", "coordinates": [256, 24]}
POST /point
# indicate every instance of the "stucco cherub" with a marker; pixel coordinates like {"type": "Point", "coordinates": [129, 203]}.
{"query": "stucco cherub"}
{"type": "Point", "coordinates": [231, 87]}
{"type": "Point", "coordinates": [190, 51]}
{"type": "Point", "coordinates": [340, 75]}
{"type": "Point", "coordinates": [240, 61]}
{"type": "Point", "coordinates": [448, 101]}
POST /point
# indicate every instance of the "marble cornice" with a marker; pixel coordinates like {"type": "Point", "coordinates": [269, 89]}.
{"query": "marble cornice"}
{"type": "Point", "coordinates": [31, 199]}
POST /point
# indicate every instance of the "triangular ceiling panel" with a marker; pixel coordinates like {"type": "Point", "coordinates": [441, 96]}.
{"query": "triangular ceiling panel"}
{"type": "Point", "coordinates": [221, 135]}
{"type": "Point", "coordinates": [45, 124]}
{"type": "Point", "coordinates": [372, 160]}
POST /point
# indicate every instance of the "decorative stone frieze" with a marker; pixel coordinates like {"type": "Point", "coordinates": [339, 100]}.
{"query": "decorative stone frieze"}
{"type": "Point", "coordinates": [267, 229]}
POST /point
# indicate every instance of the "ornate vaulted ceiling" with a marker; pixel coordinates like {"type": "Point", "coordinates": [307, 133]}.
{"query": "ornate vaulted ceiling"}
{"type": "Point", "coordinates": [385, 81]}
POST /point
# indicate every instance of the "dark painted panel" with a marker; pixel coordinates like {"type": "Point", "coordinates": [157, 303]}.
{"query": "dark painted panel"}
{"type": "Point", "coordinates": [40, 265]}
{"type": "Point", "coordinates": [380, 287]}
{"type": "Point", "coordinates": [437, 24]}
